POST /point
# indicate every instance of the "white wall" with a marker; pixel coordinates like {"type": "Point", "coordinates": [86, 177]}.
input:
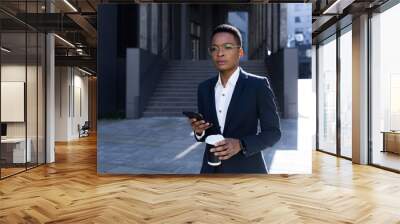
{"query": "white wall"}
{"type": "Point", "coordinates": [71, 94]}
{"type": "Point", "coordinates": [81, 103]}
{"type": "Point", "coordinates": [62, 81]}
{"type": "Point", "coordinates": [33, 126]}
{"type": "Point", "coordinates": [13, 73]}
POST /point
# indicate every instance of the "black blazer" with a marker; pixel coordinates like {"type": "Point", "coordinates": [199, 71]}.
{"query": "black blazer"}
{"type": "Point", "coordinates": [252, 102]}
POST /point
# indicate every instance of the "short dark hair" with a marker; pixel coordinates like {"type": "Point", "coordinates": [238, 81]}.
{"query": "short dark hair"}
{"type": "Point", "coordinates": [226, 28]}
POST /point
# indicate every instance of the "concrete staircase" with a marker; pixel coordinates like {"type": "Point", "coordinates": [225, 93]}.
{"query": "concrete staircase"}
{"type": "Point", "coordinates": [176, 90]}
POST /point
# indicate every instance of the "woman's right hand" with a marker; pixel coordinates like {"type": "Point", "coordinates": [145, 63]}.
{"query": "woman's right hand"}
{"type": "Point", "coordinates": [199, 126]}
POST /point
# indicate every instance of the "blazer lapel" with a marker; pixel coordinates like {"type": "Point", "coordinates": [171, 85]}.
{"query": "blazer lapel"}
{"type": "Point", "coordinates": [235, 100]}
{"type": "Point", "coordinates": [213, 110]}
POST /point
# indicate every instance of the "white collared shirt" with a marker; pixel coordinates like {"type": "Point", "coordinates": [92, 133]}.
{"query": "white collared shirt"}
{"type": "Point", "coordinates": [223, 96]}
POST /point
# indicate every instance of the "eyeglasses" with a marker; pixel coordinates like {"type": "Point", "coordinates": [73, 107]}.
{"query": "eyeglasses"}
{"type": "Point", "coordinates": [227, 47]}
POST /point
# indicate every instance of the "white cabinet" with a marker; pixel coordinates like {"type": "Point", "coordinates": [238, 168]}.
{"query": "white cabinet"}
{"type": "Point", "coordinates": [19, 154]}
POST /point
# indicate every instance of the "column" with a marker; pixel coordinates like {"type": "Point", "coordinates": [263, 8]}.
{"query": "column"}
{"type": "Point", "coordinates": [360, 90]}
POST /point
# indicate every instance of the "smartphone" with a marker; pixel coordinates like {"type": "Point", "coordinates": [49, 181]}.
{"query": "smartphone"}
{"type": "Point", "coordinates": [192, 115]}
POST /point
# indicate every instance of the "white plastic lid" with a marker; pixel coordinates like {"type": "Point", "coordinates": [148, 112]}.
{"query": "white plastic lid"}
{"type": "Point", "coordinates": [213, 139]}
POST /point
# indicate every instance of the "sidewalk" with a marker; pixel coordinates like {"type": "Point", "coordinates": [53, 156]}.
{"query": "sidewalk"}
{"type": "Point", "coordinates": [163, 145]}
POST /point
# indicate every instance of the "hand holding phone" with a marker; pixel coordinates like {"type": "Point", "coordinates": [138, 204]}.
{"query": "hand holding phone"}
{"type": "Point", "coordinates": [193, 115]}
{"type": "Point", "coordinates": [197, 122]}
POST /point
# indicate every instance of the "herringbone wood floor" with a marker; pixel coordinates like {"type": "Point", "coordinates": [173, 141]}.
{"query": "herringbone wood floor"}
{"type": "Point", "coordinates": [70, 191]}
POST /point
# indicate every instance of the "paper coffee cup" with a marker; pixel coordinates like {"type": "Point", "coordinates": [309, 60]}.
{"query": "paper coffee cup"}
{"type": "Point", "coordinates": [211, 140]}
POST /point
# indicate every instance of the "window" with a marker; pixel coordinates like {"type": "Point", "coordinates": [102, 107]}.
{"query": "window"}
{"type": "Point", "coordinates": [22, 65]}
{"type": "Point", "coordinates": [385, 89]}
{"type": "Point", "coordinates": [327, 96]}
{"type": "Point", "coordinates": [346, 94]}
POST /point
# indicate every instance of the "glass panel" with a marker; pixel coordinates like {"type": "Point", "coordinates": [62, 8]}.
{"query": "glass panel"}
{"type": "Point", "coordinates": [346, 94]}
{"type": "Point", "coordinates": [13, 87]}
{"type": "Point", "coordinates": [385, 84]}
{"type": "Point", "coordinates": [327, 96]}
{"type": "Point", "coordinates": [31, 98]}
{"type": "Point", "coordinates": [41, 98]}
{"type": "Point", "coordinates": [23, 88]}
{"type": "Point", "coordinates": [31, 87]}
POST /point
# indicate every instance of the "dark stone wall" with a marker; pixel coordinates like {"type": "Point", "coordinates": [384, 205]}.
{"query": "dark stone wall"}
{"type": "Point", "coordinates": [118, 29]}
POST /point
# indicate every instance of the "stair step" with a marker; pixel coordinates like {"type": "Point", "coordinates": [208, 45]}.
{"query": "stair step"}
{"type": "Point", "coordinates": [174, 99]}
{"type": "Point", "coordinates": [187, 76]}
{"type": "Point", "coordinates": [177, 95]}
{"type": "Point", "coordinates": [189, 103]}
{"type": "Point", "coordinates": [192, 93]}
{"type": "Point", "coordinates": [171, 109]}
{"type": "Point", "coordinates": [170, 90]}
{"type": "Point", "coordinates": [178, 86]}
{"type": "Point", "coordinates": [180, 83]}
{"type": "Point", "coordinates": [161, 95]}
{"type": "Point", "coordinates": [172, 104]}
{"type": "Point", "coordinates": [176, 90]}
{"type": "Point", "coordinates": [191, 75]}
{"type": "Point", "coordinates": [190, 69]}
{"type": "Point", "coordinates": [162, 100]}
{"type": "Point", "coordinates": [184, 80]}
{"type": "Point", "coordinates": [162, 114]}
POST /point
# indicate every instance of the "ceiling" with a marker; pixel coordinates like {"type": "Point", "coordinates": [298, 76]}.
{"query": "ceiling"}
{"type": "Point", "coordinates": [76, 22]}
{"type": "Point", "coordinates": [328, 13]}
